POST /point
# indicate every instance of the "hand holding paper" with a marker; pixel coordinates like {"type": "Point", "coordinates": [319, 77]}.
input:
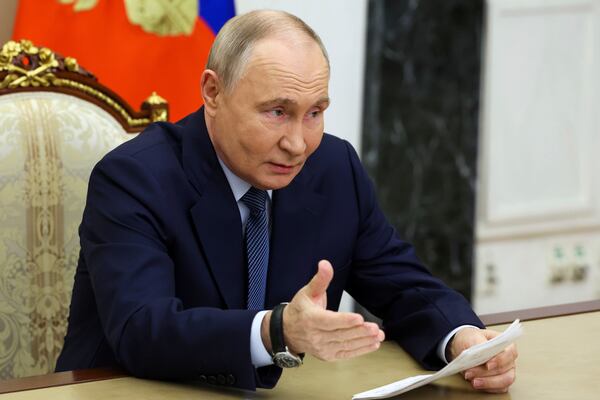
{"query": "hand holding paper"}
{"type": "Point", "coordinates": [469, 358]}
{"type": "Point", "coordinates": [495, 375]}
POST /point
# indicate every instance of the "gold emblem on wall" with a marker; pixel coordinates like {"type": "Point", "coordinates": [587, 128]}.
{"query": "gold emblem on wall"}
{"type": "Point", "coordinates": [80, 5]}
{"type": "Point", "coordinates": [160, 17]}
{"type": "Point", "coordinates": [163, 17]}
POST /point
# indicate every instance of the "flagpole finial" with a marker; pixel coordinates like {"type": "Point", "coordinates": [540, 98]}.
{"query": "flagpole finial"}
{"type": "Point", "coordinates": [159, 108]}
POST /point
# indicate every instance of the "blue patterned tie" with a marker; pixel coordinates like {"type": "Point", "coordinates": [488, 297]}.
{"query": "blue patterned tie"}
{"type": "Point", "coordinates": [257, 246]}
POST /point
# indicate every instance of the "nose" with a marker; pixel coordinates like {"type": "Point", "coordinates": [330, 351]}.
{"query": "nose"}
{"type": "Point", "coordinates": [293, 141]}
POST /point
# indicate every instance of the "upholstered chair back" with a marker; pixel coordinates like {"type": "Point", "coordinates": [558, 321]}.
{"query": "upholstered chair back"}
{"type": "Point", "coordinates": [51, 136]}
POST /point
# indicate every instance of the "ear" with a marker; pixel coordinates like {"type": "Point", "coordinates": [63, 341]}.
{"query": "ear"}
{"type": "Point", "coordinates": [211, 88]}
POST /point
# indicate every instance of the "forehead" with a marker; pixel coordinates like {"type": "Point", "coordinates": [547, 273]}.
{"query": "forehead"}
{"type": "Point", "coordinates": [286, 68]}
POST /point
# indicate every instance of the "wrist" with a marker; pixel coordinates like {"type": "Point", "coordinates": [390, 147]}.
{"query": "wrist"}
{"type": "Point", "coordinates": [282, 356]}
{"type": "Point", "coordinates": [286, 337]}
{"type": "Point", "coordinates": [448, 352]}
{"type": "Point", "coordinates": [264, 332]}
{"type": "Point", "coordinates": [456, 344]}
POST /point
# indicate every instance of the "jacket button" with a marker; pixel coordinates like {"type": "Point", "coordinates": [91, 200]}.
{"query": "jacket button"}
{"type": "Point", "coordinates": [221, 379]}
{"type": "Point", "coordinates": [203, 378]}
{"type": "Point", "coordinates": [212, 380]}
{"type": "Point", "coordinates": [230, 379]}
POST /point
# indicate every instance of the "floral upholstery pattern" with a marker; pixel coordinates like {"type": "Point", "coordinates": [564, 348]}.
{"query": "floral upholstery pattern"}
{"type": "Point", "coordinates": [49, 143]}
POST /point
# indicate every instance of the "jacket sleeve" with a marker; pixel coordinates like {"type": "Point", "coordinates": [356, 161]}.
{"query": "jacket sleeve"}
{"type": "Point", "coordinates": [417, 309]}
{"type": "Point", "coordinates": [125, 248]}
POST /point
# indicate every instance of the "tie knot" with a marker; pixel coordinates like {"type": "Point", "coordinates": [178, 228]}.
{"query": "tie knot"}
{"type": "Point", "coordinates": [255, 199]}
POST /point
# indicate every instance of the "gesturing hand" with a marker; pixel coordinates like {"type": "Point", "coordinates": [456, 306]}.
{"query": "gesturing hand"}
{"type": "Point", "coordinates": [497, 374]}
{"type": "Point", "coordinates": [309, 327]}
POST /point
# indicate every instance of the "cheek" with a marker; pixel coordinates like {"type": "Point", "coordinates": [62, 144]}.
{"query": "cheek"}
{"type": "Point", "coordinates": [258, 143]}
{"type": "Point", "coordinates": [313, 139]}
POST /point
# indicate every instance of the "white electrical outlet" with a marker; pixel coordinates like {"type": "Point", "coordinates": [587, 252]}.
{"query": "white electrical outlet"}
{"type": "Point", "coordinates": [557, 265]}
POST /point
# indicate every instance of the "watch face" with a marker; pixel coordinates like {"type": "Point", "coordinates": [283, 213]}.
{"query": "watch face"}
{"type": "Point", "coordinates": [286, 360]}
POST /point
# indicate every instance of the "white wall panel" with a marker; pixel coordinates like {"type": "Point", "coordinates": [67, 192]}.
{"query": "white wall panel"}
{"type": "Point", "coordinates": [538, 217]}
{"type": "Point", "coordinates": [539, 129]}
{"type": "Point", "coordinates": [8, 10]}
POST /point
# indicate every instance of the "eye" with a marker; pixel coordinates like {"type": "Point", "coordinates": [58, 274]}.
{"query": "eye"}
{"type": "Point", "coordinates": [314, 113]}
{"type": "Point", "coordinates": [276, 112]}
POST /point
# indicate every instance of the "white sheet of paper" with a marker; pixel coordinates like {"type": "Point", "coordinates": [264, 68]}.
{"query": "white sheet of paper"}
{"type": "Point", "coordinates": [469, 358]}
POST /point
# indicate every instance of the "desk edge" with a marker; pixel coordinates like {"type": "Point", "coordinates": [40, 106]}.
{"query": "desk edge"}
{"type": "Point", "coordinates": [59, 379]}
{"type": "Point", "coordinates": [529, 314]}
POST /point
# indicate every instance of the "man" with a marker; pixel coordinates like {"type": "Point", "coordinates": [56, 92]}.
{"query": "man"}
{"type": "Point", "coordinates": [194, 234]}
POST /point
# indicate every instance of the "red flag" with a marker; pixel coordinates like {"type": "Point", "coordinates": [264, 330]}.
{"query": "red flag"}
{"type": "Point", "coordinates": [131, 47]}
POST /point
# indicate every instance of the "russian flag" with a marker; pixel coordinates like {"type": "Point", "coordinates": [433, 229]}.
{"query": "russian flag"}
{"type": "Point", "coordinates": [133, 46]}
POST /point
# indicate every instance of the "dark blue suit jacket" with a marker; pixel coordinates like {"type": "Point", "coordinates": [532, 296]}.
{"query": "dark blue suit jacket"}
{"type": "Point", "coordinates": [161, 283]}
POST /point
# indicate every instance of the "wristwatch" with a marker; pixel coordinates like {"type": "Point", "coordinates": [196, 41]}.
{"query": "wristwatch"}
{"type": "Point", "coordinates": [281, 354]}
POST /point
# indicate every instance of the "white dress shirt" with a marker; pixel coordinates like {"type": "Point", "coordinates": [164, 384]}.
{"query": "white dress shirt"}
{"type": "Point", "coordinates": [258, 353]}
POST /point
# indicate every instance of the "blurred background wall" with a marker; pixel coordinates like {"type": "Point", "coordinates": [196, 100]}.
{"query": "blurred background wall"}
{"type": "Point", "coordinates": [8, 9]}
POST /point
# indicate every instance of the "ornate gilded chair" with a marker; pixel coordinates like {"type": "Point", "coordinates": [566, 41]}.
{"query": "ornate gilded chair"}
{"type": "Point", "coordinates": [56, 122]}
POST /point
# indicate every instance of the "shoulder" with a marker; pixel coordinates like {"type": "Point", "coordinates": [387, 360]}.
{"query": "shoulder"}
{"type": "Point", "coordinates": [335, 158]}
{"type": "Point", "coordinates": [333, 152]}
{"type": "Point", "coordinates": [160, 145]}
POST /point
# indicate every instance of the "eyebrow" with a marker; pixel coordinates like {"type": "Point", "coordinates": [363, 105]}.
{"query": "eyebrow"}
{"type": "Point", "coordinates": [285, 101]}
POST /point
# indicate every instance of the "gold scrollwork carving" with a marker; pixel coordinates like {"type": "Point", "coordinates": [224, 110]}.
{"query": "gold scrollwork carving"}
{"type": "Point", "coordinates": [155, 99]}
{"type": "Point", "coordinates": [26, 65]}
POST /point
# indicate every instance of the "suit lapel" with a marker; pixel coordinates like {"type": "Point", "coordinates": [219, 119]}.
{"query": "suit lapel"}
{"type": "Point", "coordinates": [294, 235]}
{"type": "Point", "coordinates": [215, 215]}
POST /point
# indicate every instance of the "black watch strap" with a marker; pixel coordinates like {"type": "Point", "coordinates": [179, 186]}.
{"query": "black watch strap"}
{"type": "Point", "coordinates": [276, 329]}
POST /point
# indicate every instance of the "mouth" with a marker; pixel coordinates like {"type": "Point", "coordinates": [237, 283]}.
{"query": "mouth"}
{"type": "Point", "coordinates": [283, 168]}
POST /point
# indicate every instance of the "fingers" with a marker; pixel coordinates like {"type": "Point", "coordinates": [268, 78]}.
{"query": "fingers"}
{"type": "Point", "coordinates": [503, 360]}
{"type": "Point", "coordinates": [346, 354]}
{"type": "Point", "coordinates": [497, 383]}
{"type": "Point", "coordinates": [338, 350]}
{"type": "Point", "coordinates": [363, 330]}
{"type": "Point", "coordinates": [508, 356]}
{"type": "Point", "coordinates": [351, 342]}
{"type": "Point", "coordinates": [319, 283]}
{"type": "Point", "coordinates": [482, 371]}
{"type": "Point", "coordinates": [328, 320]}
{"type": "Point", "coordinates": [342, 327]}
{"type": "Point", "coordinates": [330, 335]}
{"type": "Point", "coordinates": [357, 343]}
{"type": "Point", "coordinates": [499, 364]}
{"type": "Point", "coordinates": [497, 374]}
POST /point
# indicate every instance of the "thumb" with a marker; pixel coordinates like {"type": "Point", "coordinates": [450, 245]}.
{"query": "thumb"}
{"type": "Point", "coordinates": [489, 334]}
{"type": "Point", "coordinates": [319, 283]}
{"type": "Point", "coordinates": [464, 339]}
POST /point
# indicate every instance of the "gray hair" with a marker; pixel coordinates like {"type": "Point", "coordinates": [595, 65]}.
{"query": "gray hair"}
{"type": "Point", "coordinates": [233, 45]}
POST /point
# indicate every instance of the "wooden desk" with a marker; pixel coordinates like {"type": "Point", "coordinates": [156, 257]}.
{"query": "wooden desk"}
{"type": "Point", "coordinates": [559, 359]}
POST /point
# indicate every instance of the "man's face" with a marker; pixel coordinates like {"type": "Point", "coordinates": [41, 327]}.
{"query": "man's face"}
{"type": "Point", "coordinates": [272, 120]}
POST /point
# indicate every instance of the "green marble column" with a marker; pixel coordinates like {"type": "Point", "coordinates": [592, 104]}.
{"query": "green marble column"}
{"type": "Point", "coordinates": [420, 126]}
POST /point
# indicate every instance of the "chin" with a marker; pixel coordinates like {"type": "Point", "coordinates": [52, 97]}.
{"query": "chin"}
{"type": "Point", "coordinates": [274, 182]}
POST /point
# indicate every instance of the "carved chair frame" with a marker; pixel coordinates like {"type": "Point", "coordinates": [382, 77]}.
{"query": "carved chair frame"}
{"type": "Point", "coordinates": [25, 67]}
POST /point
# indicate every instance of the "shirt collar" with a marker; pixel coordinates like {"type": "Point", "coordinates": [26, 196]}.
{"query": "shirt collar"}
{"type": "Point", "coordinates": [239, 187]}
